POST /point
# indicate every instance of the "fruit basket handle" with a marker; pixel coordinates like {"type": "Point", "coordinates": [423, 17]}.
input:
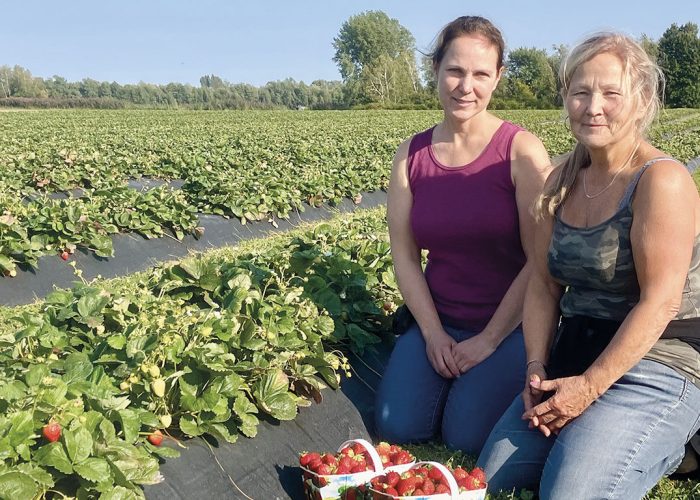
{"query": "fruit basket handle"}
{"type": "Point", "coordinates": [376, 460]}
{"type": "Point", "coordinates": [454, 489]}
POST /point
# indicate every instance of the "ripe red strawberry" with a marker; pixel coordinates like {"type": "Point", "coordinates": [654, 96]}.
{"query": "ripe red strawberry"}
{"type": "Point", "coordinates": [324, 470]}
{"type": "Point", "coordinates": [391, 491]}
{"type": "Point", "coordinates": [478, 473]}
{"type": "Point", "coordinates": [343, 469]}
{"type": "Point", "coordinates": [346, 462]}
{"type": "Point", "coordinates": [52, 431]}
{"type": "Point", "coordinates": [406, 486]}
{"type": "Point", "coordinates": [428, 487]}
{"type": "Point", "coordinates": [315, 464]}
{"type": "Point", "coordinates": [472, 483]}
{"type": "Point", "coordinates": [435, 474]}
{"type": "Point", "coordinates": [358, 449]}
{"type": "Point", "coordinates": [442, 488]}
{"type": "Point", "coordinates": [329, 459]}
{"type": "Point", "coordinates": [422, 471]}
{"type": "Point", "coordinates": [65, 255]}
{"type": "Point", "coordinates": [418, 492]}
{"type": "Point", "coordinates": [460, 473]}
{"type": "Point", "coordinates": [358, 468]}
{"type": "Point", "coordinates": [392, 478]}
{"type": "Point", "coordinates": [377, 480]}
{"type": "Point", "coordinates": [402, 457]}
{"type": "Point", "coordinates": [347, 451]}
{"type": "Point", "coordinates": [155, 437]}
{"type": "Point", "coordinates": [306, 458]}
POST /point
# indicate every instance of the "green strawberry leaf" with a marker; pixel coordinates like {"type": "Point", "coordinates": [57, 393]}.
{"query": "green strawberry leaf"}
{"type": "Point", "coordinates": [54, 455]}
{"type": "Point", "coordinates": [17, 485]}
{"type": "Point", "coordinates": [22, 427]}
{"type": "Point", "coordinates": [78, 444]}
{"type": "Point", "coordinates": [121, 493]}
{"type": "Point", "coordinates": [96, 470]}
{"type": "Point", "coordinates": [78, 367]}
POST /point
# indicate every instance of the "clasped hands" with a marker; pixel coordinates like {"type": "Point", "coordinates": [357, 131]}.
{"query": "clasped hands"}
{"type": "Point", "coordinates": [451, 358]}
{"type": "Point", "coordinates": [572, 395]}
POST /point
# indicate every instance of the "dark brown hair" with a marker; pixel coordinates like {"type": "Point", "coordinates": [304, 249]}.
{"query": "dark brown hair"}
{"type": "Point", "coordinates": [467, 25]}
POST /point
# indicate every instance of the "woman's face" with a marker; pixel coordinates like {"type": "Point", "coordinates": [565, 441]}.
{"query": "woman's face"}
{"type": "Point", "coordinates": [599, 103]}
{"type": "Point", "coordinates": [467, 76]}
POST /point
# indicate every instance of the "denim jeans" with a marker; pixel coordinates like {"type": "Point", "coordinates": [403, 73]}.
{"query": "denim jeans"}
{"type": "Point", "coordinates": [414, 403]}
{"type": "Point", "coordinates": [619, 447]}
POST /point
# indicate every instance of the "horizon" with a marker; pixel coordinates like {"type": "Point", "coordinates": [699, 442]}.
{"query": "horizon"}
{"type": "Point", "coordinates": [165, 42]}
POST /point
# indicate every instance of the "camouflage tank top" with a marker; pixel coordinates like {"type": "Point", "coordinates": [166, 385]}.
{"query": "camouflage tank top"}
{"type": "Point", "coordinates": [597, 267]}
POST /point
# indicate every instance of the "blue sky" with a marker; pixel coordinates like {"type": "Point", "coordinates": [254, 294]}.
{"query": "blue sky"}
{"type": "Point", "coordinates": [161, 41]}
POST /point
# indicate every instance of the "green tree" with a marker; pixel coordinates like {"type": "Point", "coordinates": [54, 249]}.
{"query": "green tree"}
{"type": "Point", "coordinates": [372, 50]}
{"type": "Point", "coordinates": [531, 67]}
{"type": "Point", "coordinates": [650, 46]}
{"type": "Point", "coordinates": [19, 82]}
{"type": "Point", "coordinates": [679, 56]}
{"type": "Point", "coordinates": [555, 60]}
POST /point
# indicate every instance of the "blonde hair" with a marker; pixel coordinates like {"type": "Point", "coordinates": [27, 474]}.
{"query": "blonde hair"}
{"type": "Point", "coordinates": [643, 78]}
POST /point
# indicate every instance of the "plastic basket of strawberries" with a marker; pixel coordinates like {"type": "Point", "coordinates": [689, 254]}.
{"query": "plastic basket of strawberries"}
{"type": "Point", "coordinates": [429, 481]}
{"type": "Point", "coordinates": [333, 476]}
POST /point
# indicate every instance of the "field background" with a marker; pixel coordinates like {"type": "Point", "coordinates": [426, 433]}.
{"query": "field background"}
{"type": "Point", "coordinates": [236, 335]}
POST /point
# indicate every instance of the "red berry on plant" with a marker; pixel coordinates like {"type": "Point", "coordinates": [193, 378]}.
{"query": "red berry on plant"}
{"type": "Point", "coordinates": [52, 431]}
{"type": "Point", "coordinates": [155, 438]}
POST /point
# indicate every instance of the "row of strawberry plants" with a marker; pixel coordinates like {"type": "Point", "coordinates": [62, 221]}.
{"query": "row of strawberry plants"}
{"type": "Point", "coordinates": [200, 347]}
{"type": "Point", "coordinates": [250, 165]}
{"type": "Point", "coordinates": [46, 225]}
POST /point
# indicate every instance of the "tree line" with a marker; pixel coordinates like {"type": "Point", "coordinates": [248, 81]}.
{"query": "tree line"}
{"type": "Point", "coordinates": [376, 58]}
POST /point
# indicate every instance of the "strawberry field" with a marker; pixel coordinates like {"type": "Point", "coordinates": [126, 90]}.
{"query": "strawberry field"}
{"type": "Point", "coordinates": [69, 176]}
{"type": "Point", "coordinates": [95, 377]}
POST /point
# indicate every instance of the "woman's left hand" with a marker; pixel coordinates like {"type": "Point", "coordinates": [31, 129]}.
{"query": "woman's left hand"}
{"type": "Point", "coordinates": [572, 395]}
{"type": "Point", "coordinates": [469, 353]}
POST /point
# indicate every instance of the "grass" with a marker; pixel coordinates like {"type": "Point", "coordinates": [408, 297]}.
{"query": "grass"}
{"type": "Point", "coordinates": [666, 489]}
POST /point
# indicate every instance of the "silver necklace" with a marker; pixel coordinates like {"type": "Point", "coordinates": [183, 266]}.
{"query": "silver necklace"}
{"type": "Point", "coordinates": [619, 170]}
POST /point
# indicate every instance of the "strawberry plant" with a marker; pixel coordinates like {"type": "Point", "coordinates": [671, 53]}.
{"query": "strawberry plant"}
{"type": "Point", "coordinates": [253, 165]}
{"type": "Point", "coordinates": [204, 346]}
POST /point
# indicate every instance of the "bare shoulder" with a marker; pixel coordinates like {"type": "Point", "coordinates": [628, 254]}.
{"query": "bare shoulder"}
{"type": "Point", "coordinates": [529, 157]}
{"type": "Point", "coordinates": [666, 177]}
{"type": "Point", "coordinates": [402, 151]}
{"type": "Point", "coordinates": [526, 142]}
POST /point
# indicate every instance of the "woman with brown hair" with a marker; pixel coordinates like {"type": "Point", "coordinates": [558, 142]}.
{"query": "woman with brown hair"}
{"type": "Point", "coordinates": [461, 190]}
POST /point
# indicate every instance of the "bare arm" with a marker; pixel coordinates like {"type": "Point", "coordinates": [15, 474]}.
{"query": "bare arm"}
{"type": "Point", "coordinates": [530, 166]}
{"type": "Point", "coordinates": [664, 211]}
{"type": "Point", "coordinates": [409, 272]}
{"type": "Point", "coordinates": [540, 314]}
{"type": "Point", "coordinates": [663, 231]}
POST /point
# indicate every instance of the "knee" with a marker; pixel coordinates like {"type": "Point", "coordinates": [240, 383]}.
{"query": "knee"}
{"type": "Point", "coordinates": [398, 426]}
{"type": "Point", "coordinates": [464, 436]}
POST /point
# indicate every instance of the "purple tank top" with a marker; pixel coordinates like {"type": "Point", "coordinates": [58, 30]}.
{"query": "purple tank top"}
{"type": "Point", "coordinates": [467, 219]}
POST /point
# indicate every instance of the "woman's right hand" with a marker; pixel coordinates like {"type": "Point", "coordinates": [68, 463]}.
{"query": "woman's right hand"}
{"type": "Point", "coordinates": [532, 396]}
{"type": "Point", "coordinates": [438, 346]}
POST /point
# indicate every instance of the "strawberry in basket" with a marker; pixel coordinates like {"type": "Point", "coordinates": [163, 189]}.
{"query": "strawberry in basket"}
{"type": "Point", "coordinates": [425, 479]}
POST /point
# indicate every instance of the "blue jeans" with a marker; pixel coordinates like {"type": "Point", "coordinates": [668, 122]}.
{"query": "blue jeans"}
{"type": "Point", "coordinates": [414, 402]}
{"type": "Point", "coordinates": [619, 447]}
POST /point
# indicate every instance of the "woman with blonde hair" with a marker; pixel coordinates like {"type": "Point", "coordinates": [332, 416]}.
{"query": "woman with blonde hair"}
{"type": "Point", "coordinates": [612, 310]}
